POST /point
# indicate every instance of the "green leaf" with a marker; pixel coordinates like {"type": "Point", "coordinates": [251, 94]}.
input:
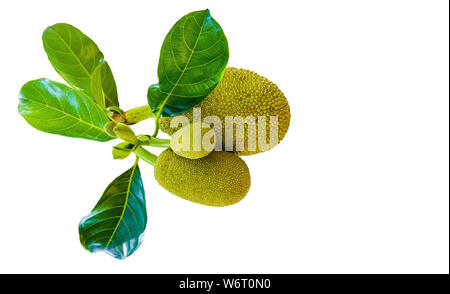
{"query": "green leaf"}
{"type": "Point", "coordinates": [122, 150]}
{"type": "Point", "coordinates": [55, 108]}
{"type": "Point", "coordinates": [116, 224]}
{"type": "Point", "coordinates": [192, 61]}
{"type": "Point", "coordinates": [73, 55]}
{"type": "Point", "coordinates": [103, 85]}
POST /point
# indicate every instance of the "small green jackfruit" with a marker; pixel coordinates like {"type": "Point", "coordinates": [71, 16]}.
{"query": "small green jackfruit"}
{"type": "Point", "coordinates": [243, 93]}
{"type": "Point", "coordinates": [219, 179]}
{"type": "Point", "coordinates": [193, 141]}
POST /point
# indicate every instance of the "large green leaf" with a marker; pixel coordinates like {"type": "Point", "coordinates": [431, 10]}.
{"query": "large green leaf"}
{"type": "Point", "coordinates": [55, 108]}
{"type": "Point", "coordinates": [116, 224]}
{"type": "Point", "coordinates": [192, 60]}
{"type": "Point", "coordinates": [73, 55]}
{"type": "Point", "coordinates": [103, 86]}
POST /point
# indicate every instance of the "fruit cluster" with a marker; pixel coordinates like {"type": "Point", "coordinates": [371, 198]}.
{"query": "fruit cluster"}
{"type": "Point", "coordinates": [201, 162]}
{"type": "Point", "coordinates": [221, 178]}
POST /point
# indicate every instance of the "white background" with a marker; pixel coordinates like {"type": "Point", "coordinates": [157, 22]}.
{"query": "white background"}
{"type": "Point", "coordinates": [359, 184]}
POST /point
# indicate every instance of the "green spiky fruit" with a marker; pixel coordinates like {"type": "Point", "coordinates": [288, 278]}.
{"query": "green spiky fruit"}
{"type": "Point", "coordinates": [193, 141]}
{"type": "Point", "coordinates": [243, 93]}
{"type": "Point", "coordinates": [219, 179]}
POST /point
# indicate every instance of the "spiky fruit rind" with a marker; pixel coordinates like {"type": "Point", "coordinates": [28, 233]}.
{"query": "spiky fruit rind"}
{"type": "Point", "coordinates": [193, 141]}
{"type": "Point", "coordinates": [219, 179]}
{"type": "Point", "coordinates": [243, 93]}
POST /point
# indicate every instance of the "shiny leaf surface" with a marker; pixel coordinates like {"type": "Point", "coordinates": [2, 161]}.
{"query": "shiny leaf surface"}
{"type": "Point", "coordinates": [55, 108]}
{"type": "Point", "coordinates": [103, 85]}
{"type": "Point", "coordinates": [116, 224]}
{"type": "Point", "coordinates": [73, 55]}
{"type": "Point", "coordinates": [192, 60]}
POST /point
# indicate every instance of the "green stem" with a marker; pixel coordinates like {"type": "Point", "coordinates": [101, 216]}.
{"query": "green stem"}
{"type": "Point", "coordinates": [157, 116]}
{"type": "Point", "coordinates": [137, 114]}
{"type": "Point", "coordinates": [146, 155]}
{"type": "Point", "coordinates": [157, 142]}
{"type": "Point", "coordinates": [155, 133]}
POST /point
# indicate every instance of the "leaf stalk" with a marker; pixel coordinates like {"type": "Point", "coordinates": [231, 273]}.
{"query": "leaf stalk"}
{"type": "Point", "coordinates": [146, 155]}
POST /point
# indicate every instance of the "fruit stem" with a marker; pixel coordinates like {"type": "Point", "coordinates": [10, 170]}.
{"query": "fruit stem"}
{"type": "Point", "coordinates": [146, 155]}
{"type": "Point", "coordinates": [158, 142]}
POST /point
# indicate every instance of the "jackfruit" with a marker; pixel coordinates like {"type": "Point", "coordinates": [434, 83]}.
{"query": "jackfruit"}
{"type": "Point", "coordinates": [242, 93]}
{"type": "Point", "coordinates": [193, 141]}
{"type": "Point", "coordinates": [219, 179]}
